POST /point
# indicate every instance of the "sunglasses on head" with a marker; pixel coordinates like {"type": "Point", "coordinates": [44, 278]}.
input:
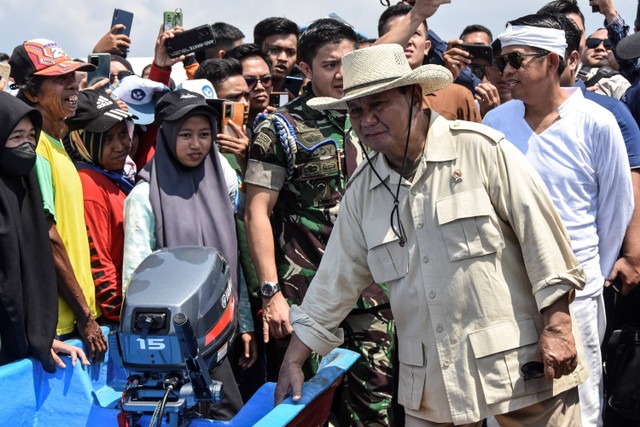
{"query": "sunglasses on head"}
{"type": "Point", "coordinates": [253, 81]}
{"type": "Point", "coordinates": [594, 42]}
{"type": "Point", "coordinates": [515, 59]}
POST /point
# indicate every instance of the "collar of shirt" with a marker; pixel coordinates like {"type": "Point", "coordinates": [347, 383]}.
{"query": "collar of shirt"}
{"type": "Point", "coordinates": [575, 95]}
{"type": "Point", "coordinates": [439, 148]}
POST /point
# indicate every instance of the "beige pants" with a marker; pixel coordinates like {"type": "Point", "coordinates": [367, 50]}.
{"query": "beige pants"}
{"type": "Point", "coordinates": [562, 410]}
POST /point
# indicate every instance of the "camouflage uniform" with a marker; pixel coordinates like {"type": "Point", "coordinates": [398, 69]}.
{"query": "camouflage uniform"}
{"type": "Point", "coordinates": [310, 174]}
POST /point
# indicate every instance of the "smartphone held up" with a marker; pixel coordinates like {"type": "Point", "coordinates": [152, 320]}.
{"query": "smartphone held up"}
{"type": "Point", "coordinates": [102, 62]}
{"type": "Point", "coordinates": [480, 54]}
{"type": "Point", "coordinates": [173, 19]}
{"type": "Point", "coordinates": [231, 112]}
{"type": "Point", "coordinates": [125, 18]}
{"type": "Point", "coordinates": [278, 99]}
{"type": "Point", "coordinates": [190, 41]}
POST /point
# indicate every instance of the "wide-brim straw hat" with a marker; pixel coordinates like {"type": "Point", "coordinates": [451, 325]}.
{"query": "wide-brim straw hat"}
{"type": "Point", "coordinates": [379, 68]}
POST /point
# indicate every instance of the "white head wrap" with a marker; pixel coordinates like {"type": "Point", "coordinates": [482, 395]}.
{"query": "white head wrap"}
{"type": "Point", "coordinates": [544, 38]}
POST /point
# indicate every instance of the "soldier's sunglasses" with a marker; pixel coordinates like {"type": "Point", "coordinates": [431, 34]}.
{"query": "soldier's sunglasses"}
{"type": "Point", "coordinates": [516, 59]}
{"type": "Point", "coordinates": [253, 81]}
{"type": "Point", "coordinates": [594, 42]}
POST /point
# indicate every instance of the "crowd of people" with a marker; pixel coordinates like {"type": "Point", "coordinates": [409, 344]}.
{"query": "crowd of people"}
{"type": "Point", "coordinates": [463, 215]}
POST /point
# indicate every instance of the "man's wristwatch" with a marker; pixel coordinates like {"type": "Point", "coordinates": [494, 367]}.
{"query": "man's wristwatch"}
{"type": "Point", "coordinates": [269, 289]}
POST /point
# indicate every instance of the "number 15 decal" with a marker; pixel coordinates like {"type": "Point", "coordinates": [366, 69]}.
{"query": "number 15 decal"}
{"type": "Point", "coordinates": [151, 343]}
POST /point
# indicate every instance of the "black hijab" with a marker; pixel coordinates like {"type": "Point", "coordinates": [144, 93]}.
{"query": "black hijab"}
{"type": "Point", "coordinates": [191, 206]}
{"type": "Point", "coordinates": [28, 290]}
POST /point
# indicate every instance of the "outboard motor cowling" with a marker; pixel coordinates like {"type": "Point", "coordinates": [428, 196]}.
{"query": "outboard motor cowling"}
{"type": "Point", "coordinates": [189, 284]}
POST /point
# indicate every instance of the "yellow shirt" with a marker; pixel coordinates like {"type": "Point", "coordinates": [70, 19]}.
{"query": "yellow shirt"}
{"type": "Point", "coordinates": [485, 253]}
{"type": "Point", "coordinates": [65, 186]}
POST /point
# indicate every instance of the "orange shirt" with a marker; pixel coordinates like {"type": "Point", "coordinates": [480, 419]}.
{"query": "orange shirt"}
{"type": "Point", "coordinates": [455, 102]}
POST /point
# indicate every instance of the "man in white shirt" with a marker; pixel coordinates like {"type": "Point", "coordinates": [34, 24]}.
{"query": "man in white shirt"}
{"type": "Point", "coordinates": [577, 148]}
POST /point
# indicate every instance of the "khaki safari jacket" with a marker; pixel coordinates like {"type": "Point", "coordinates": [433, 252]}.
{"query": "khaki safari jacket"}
{"type": "Point", "coordinates": [486, 252]}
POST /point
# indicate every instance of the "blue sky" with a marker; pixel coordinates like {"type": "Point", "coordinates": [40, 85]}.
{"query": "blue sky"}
{"type": "Point", "coordinates": [77, 25]}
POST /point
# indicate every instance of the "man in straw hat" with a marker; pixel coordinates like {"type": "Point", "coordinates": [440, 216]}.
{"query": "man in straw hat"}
{"type": "Point", "coordinates": [478, 265]}
{"type": "Point", "coordinates": [299, 164]}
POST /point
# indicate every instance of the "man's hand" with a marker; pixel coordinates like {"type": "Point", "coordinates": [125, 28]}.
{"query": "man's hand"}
{"type": "Point", "coordinates": [92, 336]}
{"type": "Point", "coordinates": [627, 269]}
{"type": "Point", "coordinates": [237, 146]}
{"type": "Point", "coordinates": [101, 84]}
{"type": "Point", "coordinates": [557, 346]}
{"type": "Point", "coordinates": [487, 96]}
{"type": "Point", "coordinates": [64, 348]}
{"type": "Point", "coordinates": [112, 42]}
{"type": "Point", "coordinates": [606, 9]}
{"type": "Point", "coordinates": [275, 317]}
{"type": "Point", "coordinates": [455, 59]}
{"type": "Point", "coordinates": [427, 8]}
{"type": "Point", "coordinates": [161, 57]}
{"type": "Point", "coordinates": [250, 354]}
{"type": "Point", "coordinates": [291, 378]}
{"type": "Point", "coordinates": [421, 10]}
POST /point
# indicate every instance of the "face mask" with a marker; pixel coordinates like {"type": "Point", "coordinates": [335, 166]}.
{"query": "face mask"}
{"type": "Point", "coordinates": [17, 161]}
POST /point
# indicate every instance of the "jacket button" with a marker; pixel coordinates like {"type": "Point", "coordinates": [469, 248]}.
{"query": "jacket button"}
{"type": "Point", "coordinates": [439, 328]}
{"type": "Point", "coordinates": [432, 295]}
{"type": "Point", "coordinates": [445, 365]}
{"type": "Point", "coordinates": [425, 259]}
{"type": "Point", "coordinates": [419, 225]}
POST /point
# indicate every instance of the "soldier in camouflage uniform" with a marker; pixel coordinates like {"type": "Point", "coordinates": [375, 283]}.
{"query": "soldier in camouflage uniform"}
{"type": "Point", "coordinates": [299, 164]}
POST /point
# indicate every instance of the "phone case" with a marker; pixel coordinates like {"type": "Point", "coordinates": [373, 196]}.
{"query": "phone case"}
{"type": "Point", "coordinates": [232, 112]}
{"type": "Point", "coordinates": [279, 99]}
{"type": "Point", "coordinates": [125, 18]}
{"type": "Point", "coordinates": [172, 19]}
{"type": "Point", "coordinates": [482, 54]}
{"type": "Point", "coordinates": [102, 61]}
{"type": "Point", "coordinates": [293, 84]}
{"type": "Point", "coordinates": [192, 40]}
{"type": "Point", "coordinates": [122, 17]}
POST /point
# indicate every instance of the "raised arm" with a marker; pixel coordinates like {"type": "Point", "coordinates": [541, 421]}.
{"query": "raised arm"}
{"type": "Point", "coordinates": [422, 10]}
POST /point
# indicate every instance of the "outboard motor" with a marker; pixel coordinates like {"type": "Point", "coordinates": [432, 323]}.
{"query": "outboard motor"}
{"type": "Point", "coordinates": [178, 321]}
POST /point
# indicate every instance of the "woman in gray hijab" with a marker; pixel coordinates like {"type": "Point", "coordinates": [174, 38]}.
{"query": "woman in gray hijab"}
{"type": "Point", "coordinates": [182, 200]}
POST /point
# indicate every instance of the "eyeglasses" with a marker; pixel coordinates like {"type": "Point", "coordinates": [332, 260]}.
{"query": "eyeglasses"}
{"type": "Point", "coordinates": [253, 81]}
{"type": "Point", "coordinates": [594, 42]}
{"type": "Point", "coordinates": [515, 59]}
{"type": "Point", "coordinates": [532, 370]}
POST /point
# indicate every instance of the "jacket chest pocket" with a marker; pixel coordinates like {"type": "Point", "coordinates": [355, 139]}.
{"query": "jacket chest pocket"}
{"type": "Point", "coordinates": [469, 225]}
{"type": "Point", "coordinates": [387, 260]}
